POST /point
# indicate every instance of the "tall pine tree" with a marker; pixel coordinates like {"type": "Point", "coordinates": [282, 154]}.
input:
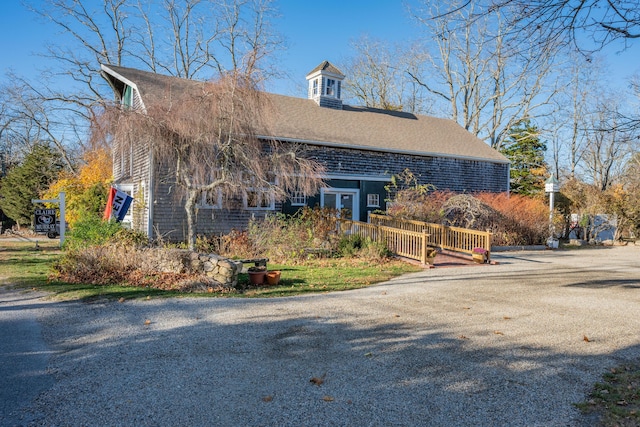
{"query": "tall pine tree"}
{"type": "Point", "coordinates": [526, 152]}
{"type": "Point", "coordinates": [28, 181]}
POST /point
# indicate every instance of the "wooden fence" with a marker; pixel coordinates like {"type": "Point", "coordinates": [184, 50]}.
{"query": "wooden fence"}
{"type": "Point", "coordinates": [441, 236]}
{"type": "Point", "coordinates": [406, 243]}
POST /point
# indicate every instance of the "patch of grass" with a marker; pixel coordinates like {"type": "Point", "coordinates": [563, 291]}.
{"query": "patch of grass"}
{"type": "Point", "coordinates": [329, 275]}
{"type": "Point", "coordinates": [616, 400]}
{"type": "Point", "coordinates": [25, 266]}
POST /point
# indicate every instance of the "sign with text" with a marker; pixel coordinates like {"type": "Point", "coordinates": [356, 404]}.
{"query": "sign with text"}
{"type": "Point", "coordinates": [44, 220]}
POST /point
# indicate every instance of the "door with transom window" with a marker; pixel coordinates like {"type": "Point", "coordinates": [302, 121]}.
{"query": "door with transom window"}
{"type": "Point", "coordinates": [345, 200]}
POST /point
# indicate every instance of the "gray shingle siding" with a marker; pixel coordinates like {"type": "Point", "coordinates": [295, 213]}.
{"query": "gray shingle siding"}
{"type": "Point", "coordinates": [445, 173]}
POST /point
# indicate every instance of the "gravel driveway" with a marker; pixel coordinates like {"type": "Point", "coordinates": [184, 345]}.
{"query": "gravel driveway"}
{"type": "Point", "coordinates": [515, 344]}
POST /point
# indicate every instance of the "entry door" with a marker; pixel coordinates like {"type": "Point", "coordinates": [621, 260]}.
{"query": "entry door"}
{"type": "Point", "coordinates": [345, 200]}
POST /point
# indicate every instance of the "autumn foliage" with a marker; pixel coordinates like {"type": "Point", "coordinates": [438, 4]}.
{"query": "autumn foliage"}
{"type": "Point", "coordinates": [523, 220]}
{"type": "Point", "coordinates": [513, 219]}
{"type": "Point", "coordinates": [86, 191]}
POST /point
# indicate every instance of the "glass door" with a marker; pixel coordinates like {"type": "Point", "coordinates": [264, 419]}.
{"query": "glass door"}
{"type": "Point", "coordinates": [345, 201]}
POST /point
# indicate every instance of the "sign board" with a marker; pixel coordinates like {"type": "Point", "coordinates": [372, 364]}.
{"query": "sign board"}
{"type": "Point", "coordinates": [45, 220]}
{"type": "Point", "coordinates": [551, 187]}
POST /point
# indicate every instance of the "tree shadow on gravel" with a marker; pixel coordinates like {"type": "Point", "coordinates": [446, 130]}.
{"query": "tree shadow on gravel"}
{"type": "Point", "coordinates": [251, 362]}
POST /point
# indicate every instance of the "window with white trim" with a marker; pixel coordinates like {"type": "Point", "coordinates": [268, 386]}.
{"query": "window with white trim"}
{"type": "Point", "coordinates": [298, 198]}
{"type": "Point", "coordinates": [254, 199]}
{"type": "Point", "coordinates": [315, 87]}
{"type": "Point", "coordinates": [211, 200]}
{"type": "Point", "coordinates": [330, 90]}
{"type": "Point", "coordinates": [373, 200]}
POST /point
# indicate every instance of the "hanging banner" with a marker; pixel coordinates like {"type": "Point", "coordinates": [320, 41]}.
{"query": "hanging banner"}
{"type": "Point", "coordinates": [118, 204]}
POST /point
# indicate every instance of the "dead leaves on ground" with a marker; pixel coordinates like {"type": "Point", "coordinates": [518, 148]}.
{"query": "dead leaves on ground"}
{"type": "Point", "coordinates": [314, 380]}
{"type": "Point", "coordinates": [318, 380]}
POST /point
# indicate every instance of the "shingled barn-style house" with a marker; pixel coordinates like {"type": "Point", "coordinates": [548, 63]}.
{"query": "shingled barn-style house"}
{"type": "Point", "coordinates": [360, 147]}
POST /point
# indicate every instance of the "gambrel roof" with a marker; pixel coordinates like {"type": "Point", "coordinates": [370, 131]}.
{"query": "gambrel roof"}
{"type": "Point", "coordinates": [302, 120]}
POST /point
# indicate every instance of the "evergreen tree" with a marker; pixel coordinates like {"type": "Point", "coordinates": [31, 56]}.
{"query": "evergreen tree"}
{"type": "Point", "coordinates": [28, 181]}
{"type": "Point", "coordinates": [526, 152]}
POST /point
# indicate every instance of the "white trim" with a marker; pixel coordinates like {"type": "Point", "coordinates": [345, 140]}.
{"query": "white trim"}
{"type": "Point", "coordinates": [324, 73]}
{"type": "Point", "coordinates": [303, 196]}
{"type": "Point", "coordinates": [203, 200]}
{"type": "Point", "coordinates": [151, 195]}
{"type": "Point", "coordinates": [347, 177]}
{"type": "Point", "coordinates": [267, 193]}
{"type": "Point", "coordinates": [355, 192]}
{"type": "Point", "coordinates": [124, 80]}
{"type": "Point", "coordinates": [383, 150]}
{"type": "Point", "coordinates": [372, 205]}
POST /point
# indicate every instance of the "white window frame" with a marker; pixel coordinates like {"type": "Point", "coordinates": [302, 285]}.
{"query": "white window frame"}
{"type": "Point", "coordinates": [315, 85]}
{"type": "Point", "coordinates": [373, 200]}
{"type": "Point", "coordinates": [204, 201]}
{"type": "Point", "coordinates": [264, 194]}
{"type": "Point", "coordinates": [339, 192]}
{"type": "Point", "coordinates": [298, 198]}
{"type": "Point", "coordinates": [330, 87]}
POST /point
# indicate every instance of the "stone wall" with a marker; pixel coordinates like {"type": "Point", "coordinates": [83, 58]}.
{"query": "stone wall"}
{"type": "Point", "coordinates": [183, 261]}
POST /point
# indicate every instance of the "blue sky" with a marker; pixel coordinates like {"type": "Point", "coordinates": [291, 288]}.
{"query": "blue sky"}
{"type": "Point", "coordinates": [314, 31]}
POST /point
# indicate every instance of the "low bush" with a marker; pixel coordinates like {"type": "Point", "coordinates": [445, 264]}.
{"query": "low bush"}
{"type": "Point", "coordinates": [92, 231]}
{"type": "Point", "coordinates": [354, 246]}
{"type": "Point", "coordinates": [287, 238]}
{"type": "Point", "coordinates": [293, 239]}
{"type": "Point", "coordinates": [513, 219]}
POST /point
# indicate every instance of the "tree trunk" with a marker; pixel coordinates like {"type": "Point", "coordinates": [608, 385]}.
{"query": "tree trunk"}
{"type": "Point", "coordinates": [190, 208]}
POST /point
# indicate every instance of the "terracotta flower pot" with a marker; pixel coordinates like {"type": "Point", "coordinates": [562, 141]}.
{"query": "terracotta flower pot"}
{"type": "Point", "coordinates": [273, 277]}
{"type": "Point", "coordinates": [257, 277]}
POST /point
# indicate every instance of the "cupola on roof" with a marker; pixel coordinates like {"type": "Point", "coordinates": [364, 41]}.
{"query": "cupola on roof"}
{"type": "Point", "coordinates": [325, 85]}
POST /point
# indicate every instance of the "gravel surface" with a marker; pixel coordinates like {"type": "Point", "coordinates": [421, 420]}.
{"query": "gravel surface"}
{"type": "Point", "coordinates": [515, 344]}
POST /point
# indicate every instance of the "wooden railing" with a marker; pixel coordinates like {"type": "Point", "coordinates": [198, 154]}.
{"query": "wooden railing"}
{"type": "Point", "coordinates": [406, 243]}
{"type": "Point", "coordinates": [450, 238]}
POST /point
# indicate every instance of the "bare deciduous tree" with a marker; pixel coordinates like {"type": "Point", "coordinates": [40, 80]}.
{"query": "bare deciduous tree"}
{"type": "Point", "coordinates": [379, 77]}
{"type": "Point", "coordinates": [207, 139]}
{"type": "Point", "coordinates": [186, 38]}
{"type": "Point", "coordinates": [565, 21]}
{"type": "Point", "coordinates": [482, 82]}
{"type": "Point", "coordinates": [574, 104]}
{"type": "Point", "coordinates": [607, 149]}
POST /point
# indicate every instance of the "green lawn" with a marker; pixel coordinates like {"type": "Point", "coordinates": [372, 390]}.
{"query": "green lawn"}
{"type": "Point", "coordinates": [329, 275]}
{"type": "Point", "coordinates": [26, 266]}
{"type": "Point", "coordinates": [616, 400]}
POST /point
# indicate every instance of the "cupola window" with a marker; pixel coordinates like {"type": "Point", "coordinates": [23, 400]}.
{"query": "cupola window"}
{"type": "Point", "coordinates": [331, 85]}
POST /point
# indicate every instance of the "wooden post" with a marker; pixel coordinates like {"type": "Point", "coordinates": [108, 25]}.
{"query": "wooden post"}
{"type": "Point", "coordinates": [487, 245]}
{"type": "Point", "coordinates": [423, 255]}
